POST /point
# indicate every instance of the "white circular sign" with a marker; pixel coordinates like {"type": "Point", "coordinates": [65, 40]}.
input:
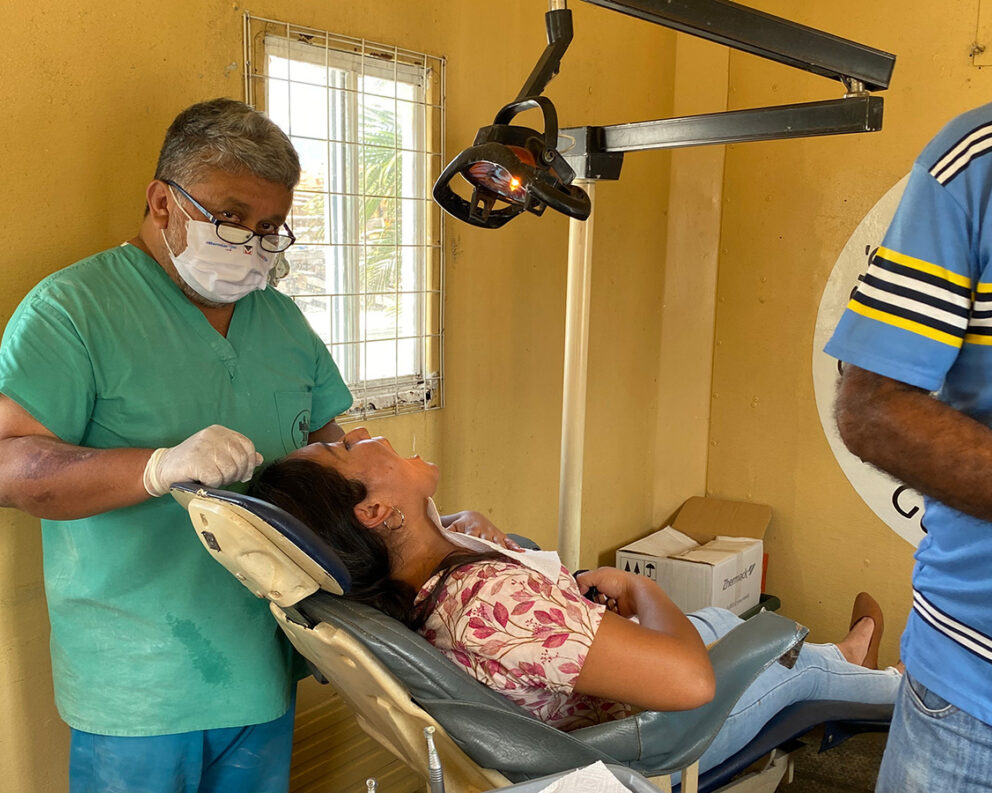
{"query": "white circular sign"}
{"type": "Point", "coordinates": [900, 507]}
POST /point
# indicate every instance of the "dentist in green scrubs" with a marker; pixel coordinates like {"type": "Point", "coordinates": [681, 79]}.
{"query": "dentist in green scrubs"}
{"type": "Point", "coordinates": [164, 359]}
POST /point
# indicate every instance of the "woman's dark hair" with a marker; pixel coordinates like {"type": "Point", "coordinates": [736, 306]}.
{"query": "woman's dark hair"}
{"type": "Point", "coordinates": [325, 501]}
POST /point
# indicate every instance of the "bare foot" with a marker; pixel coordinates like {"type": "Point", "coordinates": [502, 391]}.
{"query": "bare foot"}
{"type": "Point", "coordinates": [854, 646]}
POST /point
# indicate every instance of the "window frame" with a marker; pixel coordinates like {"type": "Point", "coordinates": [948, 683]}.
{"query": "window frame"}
{"type": "Point", "coordinates": [349, 337]}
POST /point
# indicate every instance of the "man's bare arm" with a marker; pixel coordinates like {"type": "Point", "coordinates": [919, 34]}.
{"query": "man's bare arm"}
{"type": "Point", "coordinates": [329, 433]}
{"type": "Point", "coordinates": [919, 440]}
{"type": "Point", "coordinates": [49, 478]}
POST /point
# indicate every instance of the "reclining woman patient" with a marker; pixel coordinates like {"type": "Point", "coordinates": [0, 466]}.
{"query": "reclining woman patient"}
{"type": "Point", "coordinates": [518, 621]}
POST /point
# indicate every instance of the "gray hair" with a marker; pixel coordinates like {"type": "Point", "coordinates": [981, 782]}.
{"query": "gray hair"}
{"type": "Point", "coordinates": [230, 136]}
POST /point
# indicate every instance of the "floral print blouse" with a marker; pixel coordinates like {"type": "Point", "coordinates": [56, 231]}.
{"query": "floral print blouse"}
{"type": "Point", "coordinates": [523, 636]}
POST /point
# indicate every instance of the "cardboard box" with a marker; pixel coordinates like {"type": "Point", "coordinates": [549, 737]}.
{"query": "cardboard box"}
{"type": "Point", "coordinates": [711, 555]}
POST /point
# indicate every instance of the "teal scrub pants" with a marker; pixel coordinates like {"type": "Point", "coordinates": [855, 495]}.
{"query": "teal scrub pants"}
{"type": "Point", "coordinates": [252, 759]}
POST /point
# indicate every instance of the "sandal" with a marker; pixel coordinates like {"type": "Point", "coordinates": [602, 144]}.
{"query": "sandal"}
{"type": "Point", "coordinates": [866, 606]}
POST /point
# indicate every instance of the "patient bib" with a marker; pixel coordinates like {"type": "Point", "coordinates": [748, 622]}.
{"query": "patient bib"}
{"type": "Point", "coordinates": [547, 563]}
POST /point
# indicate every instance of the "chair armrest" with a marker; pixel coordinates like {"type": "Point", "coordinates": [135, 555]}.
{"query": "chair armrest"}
{"type": "Point", "coordinates": [655, 742]}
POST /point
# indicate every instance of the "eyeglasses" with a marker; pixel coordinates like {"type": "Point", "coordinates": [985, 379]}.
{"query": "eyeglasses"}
{"type": "Point", "coordinates": [236, 234]}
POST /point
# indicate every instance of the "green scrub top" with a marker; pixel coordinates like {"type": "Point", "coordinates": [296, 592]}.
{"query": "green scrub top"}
{"type": "Point", "coordinates": [150, 635]}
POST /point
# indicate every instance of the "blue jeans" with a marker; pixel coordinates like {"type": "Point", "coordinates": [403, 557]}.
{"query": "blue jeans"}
{"type": "Point", "coordinates": [934, 746]}
{"type": "Point", "coordinates": [253, 759]}
{"type": "Point", "coordinates": [820, 673]}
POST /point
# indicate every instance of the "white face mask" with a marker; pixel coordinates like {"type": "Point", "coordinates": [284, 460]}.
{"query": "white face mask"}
{"type": "Point", "coordinates": [216, 270]}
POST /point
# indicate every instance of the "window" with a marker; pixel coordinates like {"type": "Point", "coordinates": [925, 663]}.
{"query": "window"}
{"type": "Point", "coordinates": [367, 269]}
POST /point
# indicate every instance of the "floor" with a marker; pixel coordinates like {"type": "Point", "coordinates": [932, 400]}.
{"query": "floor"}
{"type": "Point", "coordinates": [852, 767]}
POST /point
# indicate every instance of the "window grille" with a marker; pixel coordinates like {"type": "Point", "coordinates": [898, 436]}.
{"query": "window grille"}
{"type": "Point", "coordinates": [367, 269]}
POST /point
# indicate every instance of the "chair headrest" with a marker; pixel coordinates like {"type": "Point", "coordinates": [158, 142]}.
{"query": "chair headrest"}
{"type": "Point", "coordinates": [259, 538]}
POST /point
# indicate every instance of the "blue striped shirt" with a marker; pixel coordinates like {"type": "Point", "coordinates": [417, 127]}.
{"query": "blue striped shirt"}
{"type": "Point", "coordinates": [922, 314]}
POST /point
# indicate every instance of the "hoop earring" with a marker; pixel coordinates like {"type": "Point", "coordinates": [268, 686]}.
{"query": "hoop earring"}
{"type": "Point", "coordinates": [400, 525]}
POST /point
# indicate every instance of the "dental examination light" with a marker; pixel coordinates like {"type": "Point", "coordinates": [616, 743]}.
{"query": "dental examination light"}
{"type": "Point", "coordinates": [522, 169]}
{"type": "Point", "coordinates": [518, 166]}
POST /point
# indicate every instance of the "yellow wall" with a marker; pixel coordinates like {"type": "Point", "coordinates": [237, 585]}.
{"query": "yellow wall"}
{"type": "Point", "coordinates": [789, 209]}
{"type": "Point", "coordinates": [747, 234]}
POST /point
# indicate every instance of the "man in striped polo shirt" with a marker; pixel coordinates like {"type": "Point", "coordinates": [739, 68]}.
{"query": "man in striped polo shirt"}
{"type": "Point", "coordinates": [919, 322]}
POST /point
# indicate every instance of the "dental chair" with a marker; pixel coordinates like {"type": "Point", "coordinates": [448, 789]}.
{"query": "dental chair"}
{"type": "Point", "coordinates": [397, 684]}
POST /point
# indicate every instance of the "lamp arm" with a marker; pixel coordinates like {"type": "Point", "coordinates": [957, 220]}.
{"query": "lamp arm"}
{"type": "Point", "coordinates": [558, 23]}
{"type": "Point", "coordinates": [767, 36]}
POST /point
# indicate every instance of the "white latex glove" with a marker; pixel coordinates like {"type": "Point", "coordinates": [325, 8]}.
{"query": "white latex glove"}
{"type": "Point", "coordinates": [214, 456]}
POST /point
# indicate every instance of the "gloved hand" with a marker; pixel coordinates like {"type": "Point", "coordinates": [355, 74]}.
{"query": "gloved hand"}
{"type": "Point", "coordinates": [213, 456]}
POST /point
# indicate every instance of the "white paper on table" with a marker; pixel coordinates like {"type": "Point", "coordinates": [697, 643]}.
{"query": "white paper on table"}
{"type": "Point", "coordinates": [595, 778]}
